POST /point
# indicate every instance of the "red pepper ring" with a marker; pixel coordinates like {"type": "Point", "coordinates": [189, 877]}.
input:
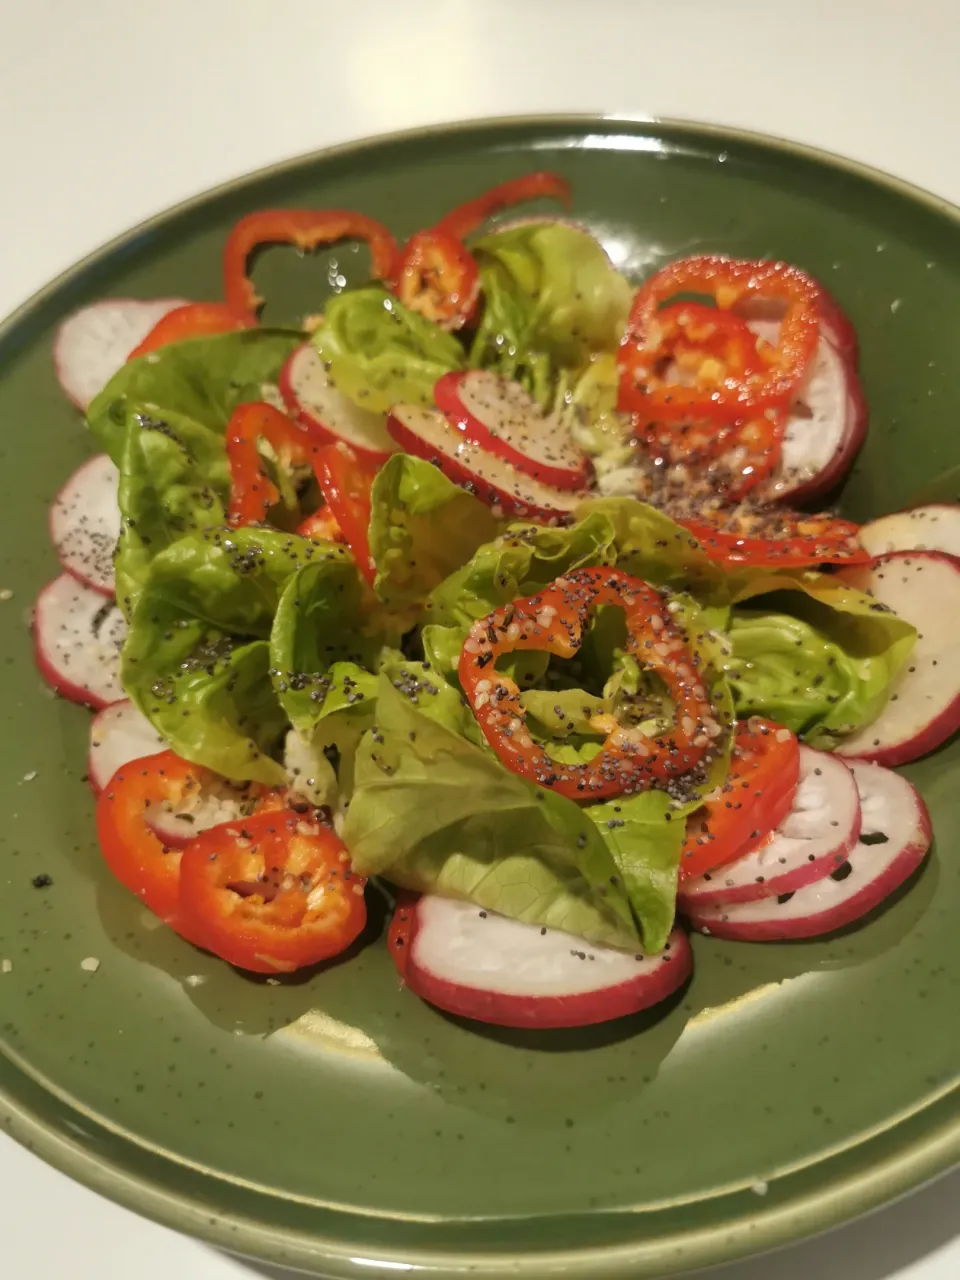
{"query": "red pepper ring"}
{"type": "Point", "coordinates": [775, 538]}
{"type": "Point", "coordinates": [133, 851]}
{"type": "Point", "coordinates": [136, 855]}
{"type": "Point", "coordinates": [271, 893]}
{"type": "Point", "coordinates": [192, 320]}
{"type": "Point", "coordinates": [438, 278]}
{"type": "Point", "coordinates": [553, 620]}
{"type": "Point", "coordinates": [307, 229]}
{"type": "Point", "coordinates": [468, 217]}
{"type": "Point", "coordinates": [730, 281]}
{"type": "Point", "coordinates": [252, 493]}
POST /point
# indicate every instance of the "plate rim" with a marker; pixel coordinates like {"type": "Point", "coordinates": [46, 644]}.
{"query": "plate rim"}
{"type": "Point", "coordinates": [915, 1161]}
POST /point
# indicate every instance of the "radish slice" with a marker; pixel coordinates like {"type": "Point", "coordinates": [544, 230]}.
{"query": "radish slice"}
{"type": "Point", "coordinates": [932, 528]}
{"type": "Point", "coordinates": [85, 523]}
{"type": "Point", "coordinates": [118, 734]}
{"type": "Point", "coordinates": [78, 635]}
{"type": "Point", "coordinates": [499, 416]}
{"type": "Point", "coordinates": [815, 837]}
{"type": "Point", "coordinates": [426, 434]}
{"type": "Point", "coordinates": [826, 427]}
{"type": "Point", "coordinates": [484, 966]}
{"type": "Point", "coordinates": [924, 708]}
{"type": "Point", "coordinates": [894, 839]}
{"type": "Point", "coordinates": [837, 327]}
{"type": "Point", "coordinates": [94, 342]}
{"type": "Point", "coordinates": [314, 401]}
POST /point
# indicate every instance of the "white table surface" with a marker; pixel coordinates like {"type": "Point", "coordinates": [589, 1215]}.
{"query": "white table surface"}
{"type": "Point", "coordinates": [111, 110]}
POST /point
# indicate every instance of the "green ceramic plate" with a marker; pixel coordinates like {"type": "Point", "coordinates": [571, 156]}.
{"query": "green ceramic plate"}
{"type": "Point", "coordinates": [338, 1121]}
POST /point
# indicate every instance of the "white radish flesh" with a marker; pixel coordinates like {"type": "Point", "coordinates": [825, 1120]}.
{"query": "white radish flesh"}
{"type": "Point", "coordinates": [499, 416]}
{"type": "Point", "coordinates": [894, 839]}
{"type": "Point", "coordinates": [826, 426]}
{"type": "Point", "coordinates": [78, 635]}
{"type": "Point", "coordinates": [94, 342]}
{"type": "Point", "coordinates": [118, 734]}
{"type": "Point", "coordinates": [426, 434]}
{"type": "Point", "coordinates": [923, 587]}
{"type": "Point", "coordinates": [931, 528]}
{"type": "Point", "coordinates": [314, 401]}
{"type": "Point", "coordinates": [484, 966]}
{"type": "Point", "coordinates": [814, 839]}
{"type": "Point", "coordinates": [85, 523]}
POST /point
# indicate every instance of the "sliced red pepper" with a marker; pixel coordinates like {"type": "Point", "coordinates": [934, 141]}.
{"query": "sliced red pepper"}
{"type": "Point", "coordinates": [467, 218]}
{"type": "Point", "coordinates": [306, 229]}
{"type": "Point", "coordinates": [345, 483]}
{"type": "Point", "coordinates": [133, 852]}
{"type": "Point", "coordinates": [131, 848]}
{"type": "Point", "coordinates": [739, 456]}
{"type": "Point", "coordinates": [553, 621]}
{"type": "Point", "coordinates": [438, 278]}
{"type": "Point", "coordinates": [775, 538]}
{"type": "Point", "coordinates": [646, 350]}
{"type": "Point", "coordinates": [756, 797]}
{"type": "Point", "coordinates": [322, 525]}
{"type": "Point", "coordinates": [193, 320]}
{"type": "Point", "coordinates": [272, 893]}
{"type": "Point", "coordinates": [252, 493]}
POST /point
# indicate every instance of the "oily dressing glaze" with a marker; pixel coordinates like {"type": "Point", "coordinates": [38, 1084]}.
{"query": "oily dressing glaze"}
{"type": "Point", "coordinates": [426, 1080]}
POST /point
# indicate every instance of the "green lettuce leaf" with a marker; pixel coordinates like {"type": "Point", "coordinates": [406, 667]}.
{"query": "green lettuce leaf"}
{"type": "Point", "coordinates": [551, 300]}
{"type": "Point", "coordinates": [645, 837]}
{"type": "Point", "coordinates": [174, 479]}
{"type": "Point", "coordinates": [517, 563]}
{"type": "Point", "coordinates": [323, 642]}
{"type": "Point", "coordinates": [814, 653]}
{"type": "Point", "coordinates": [379, 353]}
{"type": "Point", "coordinates": [434, 812]}
{"type": "Point", "coordinates": [422, 528]}
{"type": "Point", "coordinates": [203, 379]}
{"type": "Point", "coordinates": [652, 547]}
{"type": "Point", "coordinates": [197, 659]}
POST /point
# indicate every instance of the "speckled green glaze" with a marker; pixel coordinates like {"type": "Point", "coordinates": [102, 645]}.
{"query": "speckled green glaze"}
{"type": "Point", "coordinates": [336, 1120]}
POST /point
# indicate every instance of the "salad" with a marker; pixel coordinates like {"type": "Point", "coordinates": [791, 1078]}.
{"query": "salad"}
{"type": "Point", "coordinates": [491, 585]}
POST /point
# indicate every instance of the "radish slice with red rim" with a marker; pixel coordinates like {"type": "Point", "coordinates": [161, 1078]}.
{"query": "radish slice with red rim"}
{"type": "Point", "coordinates": [118, 734]}
{"type": "Point", "coordinates": [78, 635]}
{"type": "Point", "coordinates": [426, 434]}
{"type": "Point", "coordinates": [894, 839]}
{"type": "Point", "coordinates": [826, 425]}
{"type": "Point", "coordinates": [94, 342]}
{"type": "Point", "coordinates": [482, 965]}
{"type": "Point", "coordinates": [922, 587]}
{"type": "Point", "coordinates": [499, 416]}
{"type": "Point", "coordinates": [814, 839]}
{"type": "Point", "coordinates": [935, 527]}
{"type": "Point", "coordinates": [85, 523]}
{"type": "Point", "coordinates": [315, 402]}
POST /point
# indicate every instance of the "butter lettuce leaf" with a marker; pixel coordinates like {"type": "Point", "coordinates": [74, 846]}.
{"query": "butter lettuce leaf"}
{"type": "Point", "coordinates": [174, 479]}
{"type": "Point", "coordinates": [203, 379]}
{"type": "Point", "coordinates": [432, 811]}
{"type": "Point", "coordinates": [379, 353]}
{"type": "Point", "coordinates": [814, 653]}
{"type": "Point", "coordinates": [552, 299]}
{"type": "Point", "coordinates": [196, 660]}
{"type": "Point", "coordinates": [422, 529]}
